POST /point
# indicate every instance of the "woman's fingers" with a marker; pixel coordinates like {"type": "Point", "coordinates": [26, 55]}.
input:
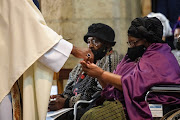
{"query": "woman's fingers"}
{"type": "Point", "coordinates": [84, 64]}
{"type": "Point", "coordinates": [53, 96]}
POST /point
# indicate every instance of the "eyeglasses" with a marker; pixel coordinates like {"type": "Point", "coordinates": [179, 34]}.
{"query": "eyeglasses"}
{"type": "Point", "coordinates": [94, 42]}
{"type": "Point", "coordinates": [133, 43]}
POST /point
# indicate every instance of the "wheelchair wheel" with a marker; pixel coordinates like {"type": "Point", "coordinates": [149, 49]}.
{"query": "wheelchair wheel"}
{"type": "Point", "coordinates": [172, 115]}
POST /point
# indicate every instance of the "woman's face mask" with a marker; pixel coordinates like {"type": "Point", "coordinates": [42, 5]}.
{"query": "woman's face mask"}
{"type": "Point", "coordinates": [136, 52]}
{"type": "Point", "coordinates": [100, 53]}
{"type": "Point", "coordinates": [176, 43]}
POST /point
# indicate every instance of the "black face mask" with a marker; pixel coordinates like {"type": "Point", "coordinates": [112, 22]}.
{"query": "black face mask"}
{"type": "Point", "coordinates": [176, 44]}
{"type": "Point", "coordinates": [136, 52]}
{"type": "Point", "coordinates": [100, 53]}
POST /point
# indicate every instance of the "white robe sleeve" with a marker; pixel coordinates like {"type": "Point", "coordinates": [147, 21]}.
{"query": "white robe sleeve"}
{"type": "Point", "coordinates": [57, 56]}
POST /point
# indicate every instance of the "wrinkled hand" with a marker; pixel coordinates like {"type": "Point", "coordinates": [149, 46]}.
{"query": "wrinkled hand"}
{"type": "Point", "coordinates": [56, 104]}
{"type": "Point", "coordinates": [83, 53]}
{"type": "Point", "coordinates": [91, 69]}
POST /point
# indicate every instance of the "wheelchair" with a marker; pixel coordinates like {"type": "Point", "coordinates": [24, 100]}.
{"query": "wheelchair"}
{"type": "Point", "coordinates": [171, 115]}
{"type": "Point", "coordinates": [94, 98]}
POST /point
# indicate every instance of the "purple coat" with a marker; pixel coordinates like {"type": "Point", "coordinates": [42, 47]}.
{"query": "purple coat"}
{"type": "Point", "coordinates": [157, 66]}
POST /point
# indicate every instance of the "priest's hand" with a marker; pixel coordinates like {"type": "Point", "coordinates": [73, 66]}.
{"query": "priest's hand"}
{"type": "Point", "coordinates": [56, 104]}
{"type": "Point", "coordinates": [84, 53]}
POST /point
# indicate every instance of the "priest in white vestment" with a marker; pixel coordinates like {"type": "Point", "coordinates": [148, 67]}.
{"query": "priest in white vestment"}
{"type": "Point", "coordinates": [30, 53]}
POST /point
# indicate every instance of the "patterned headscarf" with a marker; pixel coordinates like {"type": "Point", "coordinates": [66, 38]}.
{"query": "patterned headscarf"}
{"type": "Point", "coordinates": [149, 28]}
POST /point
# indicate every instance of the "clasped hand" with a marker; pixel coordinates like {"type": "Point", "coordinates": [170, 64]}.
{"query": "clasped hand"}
{"type": "Point", "coordinates": [56, 104]}
{"type": "Point", "coordinates": [91, 69]}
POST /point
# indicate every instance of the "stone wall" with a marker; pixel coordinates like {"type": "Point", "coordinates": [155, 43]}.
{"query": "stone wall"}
{"type": "Point", "coordinates": [71, 18]}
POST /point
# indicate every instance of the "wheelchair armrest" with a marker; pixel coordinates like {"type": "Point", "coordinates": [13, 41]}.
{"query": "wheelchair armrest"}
{"type": "Point", "coordinates": [94, 97]}
{"type": "Point", "coordinates": [79, 102]}
{"type": "Point", "coordinates": [164, 88]}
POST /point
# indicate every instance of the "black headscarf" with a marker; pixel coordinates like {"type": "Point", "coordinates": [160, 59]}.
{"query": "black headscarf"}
{"type": "Point", "coordinates": [149, 28]}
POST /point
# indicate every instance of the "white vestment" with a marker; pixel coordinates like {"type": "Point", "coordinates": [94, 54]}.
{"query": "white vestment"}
{"type": "Point", "coordinates": [24, 38]}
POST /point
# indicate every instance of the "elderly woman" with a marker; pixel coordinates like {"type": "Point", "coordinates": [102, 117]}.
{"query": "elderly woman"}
{"type": "Point", "coordinates": [148, 62]}
{"type": "Point", "coordinates": [100, 39]}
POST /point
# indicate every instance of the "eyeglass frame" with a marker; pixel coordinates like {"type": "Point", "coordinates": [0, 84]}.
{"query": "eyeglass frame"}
{"type": "Point", "coordinates": [132, 43]}
{"type": "Point", "coordinates": [94, 42]}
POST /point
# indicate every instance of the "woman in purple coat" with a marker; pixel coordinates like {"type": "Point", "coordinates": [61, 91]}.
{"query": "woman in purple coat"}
{"type": "Point", "coordinates": [148, 62]}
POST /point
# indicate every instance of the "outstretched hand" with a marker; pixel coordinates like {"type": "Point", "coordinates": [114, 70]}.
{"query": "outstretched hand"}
{"type": "Point", "coordinates": [84, 53]}
{"type": "Point", "coordinates": [91, 69]}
